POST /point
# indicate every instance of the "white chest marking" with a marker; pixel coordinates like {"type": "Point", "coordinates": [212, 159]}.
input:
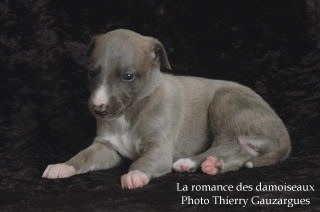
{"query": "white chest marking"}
{"type": "Point", "coordinates": [123, 123]}
{"type": "Point", "coordinates": [123, 141]}
{"type": "Point", "coordinates": [125, 145]}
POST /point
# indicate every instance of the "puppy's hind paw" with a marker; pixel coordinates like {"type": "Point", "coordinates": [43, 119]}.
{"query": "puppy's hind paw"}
{"type": "Point", "coordinates": [60, 170]}
{"type": "Point", "coordinates": [184, 164]}
{"type": "Point", "coordinates": [211, 166]}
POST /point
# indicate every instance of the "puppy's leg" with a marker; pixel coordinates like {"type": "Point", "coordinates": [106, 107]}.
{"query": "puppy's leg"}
{"type": "Point", "coordinates": [230, 154]}
{"type": "Point", "coordinates": [222, 156]}
{"type": "Point", "coordinates": [97, 156]}
{"type": "Point", "coordinates": [219, 159]}
{"type": "Point", "coordinates": [226, 154]}
{"type": "Point", "coordinates": [246, 132]}
{"type": "Point", "coordinates": [155, 161]}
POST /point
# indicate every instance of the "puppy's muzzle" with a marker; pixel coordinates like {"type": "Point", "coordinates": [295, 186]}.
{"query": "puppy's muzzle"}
{"type": "Point", "coordinates": [101, 110]}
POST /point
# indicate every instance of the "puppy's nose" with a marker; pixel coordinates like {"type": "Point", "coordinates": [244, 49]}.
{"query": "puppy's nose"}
{"type": "Point", "coordinates": [101, 110]}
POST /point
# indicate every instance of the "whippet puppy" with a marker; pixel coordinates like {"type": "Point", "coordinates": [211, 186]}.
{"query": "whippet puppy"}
{"type": "Point", "coordinates": [163, 122]}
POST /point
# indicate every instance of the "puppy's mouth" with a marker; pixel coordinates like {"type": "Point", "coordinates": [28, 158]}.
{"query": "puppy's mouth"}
{"type": "Point", "coordinates": [107, 115]}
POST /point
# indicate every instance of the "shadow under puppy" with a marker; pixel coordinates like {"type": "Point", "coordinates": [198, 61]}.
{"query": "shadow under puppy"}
{"type": "Point", "coordinates": [163, 122]}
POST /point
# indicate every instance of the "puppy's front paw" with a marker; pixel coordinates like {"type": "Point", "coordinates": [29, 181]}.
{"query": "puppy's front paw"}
{"type": "Point", "coordinates": [134, 179]}
{"type": "Point", "coordinates": [60, 170]}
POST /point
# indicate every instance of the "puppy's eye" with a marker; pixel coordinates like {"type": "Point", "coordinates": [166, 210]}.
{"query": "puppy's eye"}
{"type": "Point", "coordinates": [128, 76]}
{"type": "Point", "coordinates": [92, 74]}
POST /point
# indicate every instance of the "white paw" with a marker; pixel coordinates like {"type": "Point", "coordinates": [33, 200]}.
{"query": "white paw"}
{"type": "Point", "coordinates": [134, 179]}
{"type": "Point", "coordinates": [249, 164]}
{"type": "Point", "coordinates": [60, 170]}
{"type": "Point", "coordinates": [184, 164]}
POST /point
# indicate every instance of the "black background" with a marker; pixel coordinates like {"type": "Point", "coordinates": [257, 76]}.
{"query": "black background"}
{"type": "Point", "coordinates": [270, 46]}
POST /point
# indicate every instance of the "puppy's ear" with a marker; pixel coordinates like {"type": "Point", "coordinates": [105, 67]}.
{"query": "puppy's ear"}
{"type": "Point", "coordinates": [91, 45]}
{"type": "Point", "coordinates": [159, 54]}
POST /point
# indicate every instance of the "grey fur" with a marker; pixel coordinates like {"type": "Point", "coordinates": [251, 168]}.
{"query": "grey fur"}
{"type": "Point", "coordinates": [159, 118]}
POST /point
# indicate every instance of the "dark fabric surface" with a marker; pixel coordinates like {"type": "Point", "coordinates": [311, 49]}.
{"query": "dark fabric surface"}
{"type": "Point", "coordinates": [270, 46]}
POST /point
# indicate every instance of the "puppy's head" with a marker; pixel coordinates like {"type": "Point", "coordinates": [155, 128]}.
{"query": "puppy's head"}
{"type": "Point", "coordinates": [125, 68]}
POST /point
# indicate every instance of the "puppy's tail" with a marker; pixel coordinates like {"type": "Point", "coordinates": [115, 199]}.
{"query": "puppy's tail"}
{"type": "Point", "coordinates": [265, 151]}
